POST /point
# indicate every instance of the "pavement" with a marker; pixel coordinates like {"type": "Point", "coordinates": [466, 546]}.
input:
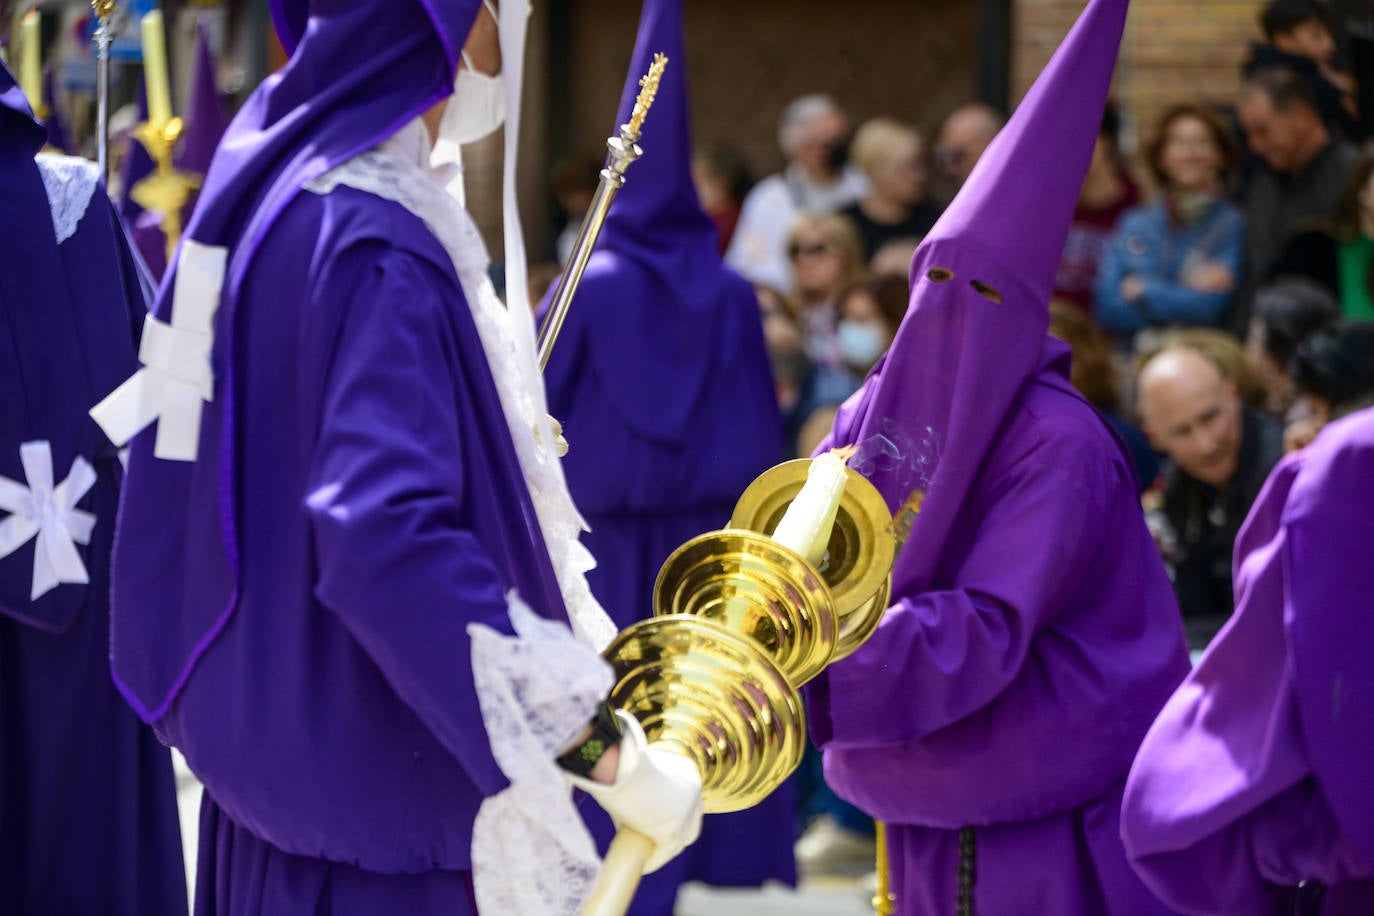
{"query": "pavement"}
{"type": "Point", "coordinates": [822, 897]}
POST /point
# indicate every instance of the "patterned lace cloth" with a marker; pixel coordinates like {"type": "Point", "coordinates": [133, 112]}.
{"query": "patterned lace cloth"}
{"type": "Point", "coordinates": [70, 183]}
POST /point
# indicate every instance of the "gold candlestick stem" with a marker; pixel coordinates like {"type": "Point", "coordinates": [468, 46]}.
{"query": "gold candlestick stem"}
{"type": "Point", "coordinates": [168, 189]}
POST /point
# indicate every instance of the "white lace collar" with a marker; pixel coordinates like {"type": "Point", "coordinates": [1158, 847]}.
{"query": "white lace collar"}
{"type": "Point", "coordinates": [70, 184]}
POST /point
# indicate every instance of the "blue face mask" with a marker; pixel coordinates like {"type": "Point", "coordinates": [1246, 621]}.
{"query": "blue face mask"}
{"type": "Point", "coordinates": [861, 343]}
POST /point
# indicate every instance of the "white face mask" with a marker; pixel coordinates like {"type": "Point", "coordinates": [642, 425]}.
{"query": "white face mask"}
{"type": "Point", "coordinates": [478, 106]}
{"type": "Point", "coordinates": [860, 343]}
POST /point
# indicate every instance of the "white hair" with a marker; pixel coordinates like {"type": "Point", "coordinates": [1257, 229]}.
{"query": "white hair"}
{"type": "Point", "coordinates": [799, 115]}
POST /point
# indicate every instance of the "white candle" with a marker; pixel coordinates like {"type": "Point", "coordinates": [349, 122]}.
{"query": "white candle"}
{"type": "Point", "coordinates": [155, 69]}
{"type": "Point", "coordinates": [31, 62]}
{"type": "Point", "coordinates": [807, 524]}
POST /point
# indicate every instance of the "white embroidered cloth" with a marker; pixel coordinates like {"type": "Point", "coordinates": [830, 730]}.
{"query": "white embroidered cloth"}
{"type": "Point", "coordinates": [176, 378]}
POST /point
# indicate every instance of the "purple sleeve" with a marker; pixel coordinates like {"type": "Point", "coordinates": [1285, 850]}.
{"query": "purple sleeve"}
{"type": "Point", "coordinates": [1221, 812]}
{"type": "Point", "coordinates": [385, 496]}
{"type": "Point", "coordinates": [942, 655]}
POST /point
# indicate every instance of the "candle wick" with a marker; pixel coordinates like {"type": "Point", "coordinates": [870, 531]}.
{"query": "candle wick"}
{"type": "Point", "coordinates": [845, 453]}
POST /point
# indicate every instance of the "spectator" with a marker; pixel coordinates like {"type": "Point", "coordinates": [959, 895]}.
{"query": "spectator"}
{"type": "Point", "coordinates": [1333, 375]}
{"type": "Point", "coordinates": [803, 388]}
{"type": "Point", "coordinates": [965, 134]}
{"type": "Point", "coordinates": [1094, 375]}
{"type": "Point", "coordinates": [870, 314]}
{"type": "Point", "coordinates": [1221, 452]}
{"type": "Point", "coordinates": [813, 136]}
{"type": "Point", "coordinates": [1177, 260]}
{"type": "Point", "coordinates": [1299, 37]}
{"type": "Point", "coordinates": [897, 205]}
{"type": "Point", "coordinates": [1303, 169]}
{"type": "Point", "coordinates": [826, 258]}
{"type": "Point", "coordinates": [1285, 311]}
{"type": "Point", "coordinates": [574, 185]}
{"type": "Point", "coordinates": [1108, 192]}
{"type": "Point", "coordinates": [893, 258]}
{"type": "Point", "coordinates": [1340, 256]}
{"type": "Point", "coordinates": [722, 179]}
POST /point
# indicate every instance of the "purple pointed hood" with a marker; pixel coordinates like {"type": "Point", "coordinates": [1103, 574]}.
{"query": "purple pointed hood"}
{"type": "Point", "coordinates": [657, 219]}
{"type": "Point", "coordinates": [362, 70]}
{"type": "Point", "coordinates": [975, 332]}
{"type": "Point", "coordinates": [136, 166]}
{"type": "Point", "coordinates": [656, 287]}
{"type": "Point", "coordinates": [20, 125]}
{"type": "Point", "coordinates": [55, 126]}
{"type": "Point", "coordinates": [205, 116]}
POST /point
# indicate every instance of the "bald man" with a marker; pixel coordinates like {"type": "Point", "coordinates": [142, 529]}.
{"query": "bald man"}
{"type": "Point", "coordinates": [965, 134]}
{"type": "Point", "coordinates": [1221, 452]}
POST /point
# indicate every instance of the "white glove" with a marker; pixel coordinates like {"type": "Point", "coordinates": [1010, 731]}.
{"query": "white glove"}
{"type": "Point", "coordinates": [656, 792]}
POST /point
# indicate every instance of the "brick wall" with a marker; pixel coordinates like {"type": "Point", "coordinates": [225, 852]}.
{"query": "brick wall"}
{"type": "Point", "coordinates": [1174, 51]}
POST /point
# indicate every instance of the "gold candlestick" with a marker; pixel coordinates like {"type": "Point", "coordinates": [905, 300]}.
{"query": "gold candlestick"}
{"type": "Point", "coordinates": [741, 622]}
{"type": "Point", "coordinates": [168, 189]}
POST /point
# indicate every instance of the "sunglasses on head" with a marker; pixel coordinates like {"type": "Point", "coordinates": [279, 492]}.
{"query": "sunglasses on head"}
{"type": "Point", "coordinates": [796, 250]}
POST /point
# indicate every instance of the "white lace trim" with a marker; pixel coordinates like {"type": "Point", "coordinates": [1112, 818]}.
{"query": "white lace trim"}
{"type": "Point", "coordinates": [70, 183]}
{"type": "Point", "coordinates": [391, 171]}
{"type": "Point", "coordinates": [531, 852]}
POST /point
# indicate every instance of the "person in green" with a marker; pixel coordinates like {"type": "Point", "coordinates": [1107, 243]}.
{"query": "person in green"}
{"type": "Point", "coordinates": [1340, 256]}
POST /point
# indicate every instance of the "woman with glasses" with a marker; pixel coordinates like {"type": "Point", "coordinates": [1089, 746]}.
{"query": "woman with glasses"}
{"type": "Point", "coordinates": [1176, 260]}
{"type": "Point", "coordinates": [826, 258]}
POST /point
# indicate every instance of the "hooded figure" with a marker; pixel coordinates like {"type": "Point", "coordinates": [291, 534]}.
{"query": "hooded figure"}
{"type": "Point", "coordinates": [992, 718]}
{"type": "Point", "coordinates": [348, 563]}
{"type": "Point", "coordinates": [88, 815]}
{"type": "Point", "coordinates": [1256, 776]}
{"type": "Point", "coordinates": [144, 226]}
{"type": "Point", "coordinates": [661, 379]}
{"type": "Point", "coordinates": [205, 117]}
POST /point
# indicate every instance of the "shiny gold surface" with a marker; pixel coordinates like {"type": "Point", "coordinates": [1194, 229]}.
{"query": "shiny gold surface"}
{"type": "Point", "coordinates": [858, 562]}
{"type": "Point", "coordinates": [714, 696]}
{"type": "Point", "coordinates": [168, 189]}
{"type": "Point", "coordinates": [757, 588]}
{"type": "Point", "coordinates": [741, 622]}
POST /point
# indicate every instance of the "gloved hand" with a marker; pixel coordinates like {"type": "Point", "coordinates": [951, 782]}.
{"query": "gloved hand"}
{"type": "Point", "coordinates": [655, 792]}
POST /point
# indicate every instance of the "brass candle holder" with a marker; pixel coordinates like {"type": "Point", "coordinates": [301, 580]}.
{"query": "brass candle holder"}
{"type": "Point", "coordinates": [168, 189]}
{"type": "Point", "coordinates": [741, 622]}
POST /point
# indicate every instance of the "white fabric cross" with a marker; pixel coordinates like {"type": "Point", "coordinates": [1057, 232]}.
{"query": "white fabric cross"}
{"type": "Point", "coordinates": [50, 514]}
{"type": "Point", "coordinates": [176, 377]}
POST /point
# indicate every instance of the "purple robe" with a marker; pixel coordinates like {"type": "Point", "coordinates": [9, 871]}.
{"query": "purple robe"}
{"type": "Point", "coordinates": [291, 608]}
{"type": "Point", "coordinates": [993, 716]}
{"type": "Point", "coordinates": [88, 815]}
{"type": "Point", "coordinates": [1256, 776]}
{"type": "Point", "coordinates": [661, 381]}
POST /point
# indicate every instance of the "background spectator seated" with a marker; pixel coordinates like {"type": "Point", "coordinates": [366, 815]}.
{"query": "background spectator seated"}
{"type": "Point", "coordinates": [1176, 261]}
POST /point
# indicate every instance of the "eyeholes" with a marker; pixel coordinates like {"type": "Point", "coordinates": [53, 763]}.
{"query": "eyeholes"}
{"type": "Point", "coordinates": [944, 275]}
{"type": "Point", "coordinates": [987, 292]}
